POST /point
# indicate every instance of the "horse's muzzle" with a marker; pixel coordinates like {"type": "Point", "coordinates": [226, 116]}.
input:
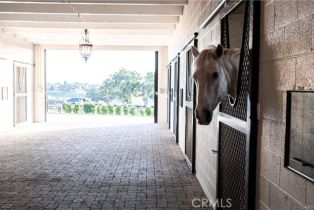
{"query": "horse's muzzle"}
{"type": "Point", "coordinates": [204, 117]}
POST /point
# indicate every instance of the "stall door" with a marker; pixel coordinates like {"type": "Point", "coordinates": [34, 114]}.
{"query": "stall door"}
{"type": "Point", "coordinates": [190, 121]}
{"type": "Point", "coordinates": [169, 97]}
{"type": "Point", "coordinates": [237, 119]}
{"type": "Point", "coordinates": [176, 86]}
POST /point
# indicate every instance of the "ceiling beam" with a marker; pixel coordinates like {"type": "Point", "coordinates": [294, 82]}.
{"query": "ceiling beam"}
{"type": "Point", "coordinates": [109, 42]}
{"type": "Point", "coordinates": [91, 9]}
{"type": "Point", "coordinates": [78, 31]}
{"type": "Point", "coordinates": [104, 47]}
{"type": "Point", "coordinates": [105, 2]}
{"type": "Point", "coordinates": [89, 25]}
{"type": "Point", "coordinates": [113, 40]}
{"type": "Point", "coordinates": [93, 36]}
{"type": "Point", "coordinates": [89, 18]}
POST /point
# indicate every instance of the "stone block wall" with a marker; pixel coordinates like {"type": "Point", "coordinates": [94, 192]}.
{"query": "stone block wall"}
{"type": "Point", "coordinates": [286, 63]}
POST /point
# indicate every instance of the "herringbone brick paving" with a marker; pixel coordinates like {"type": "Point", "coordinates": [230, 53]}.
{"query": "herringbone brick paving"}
{"type": "Point", "coordinates": [128, 167]}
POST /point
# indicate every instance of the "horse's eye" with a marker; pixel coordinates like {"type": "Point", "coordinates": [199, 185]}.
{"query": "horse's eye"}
{"type": "Point", "coordinates": [215, 75]}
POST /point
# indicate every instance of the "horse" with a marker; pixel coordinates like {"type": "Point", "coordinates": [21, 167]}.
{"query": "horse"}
{"type": "Point", "coordinates": [215, 75]}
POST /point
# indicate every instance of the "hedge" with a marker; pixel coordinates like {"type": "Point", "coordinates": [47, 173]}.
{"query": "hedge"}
{"type": "Point", "coordinates": [89, 108]}
{"type": "Point", "coordinates": [67, 108]}
{"type": "Point", "coordinates": [125, 110]}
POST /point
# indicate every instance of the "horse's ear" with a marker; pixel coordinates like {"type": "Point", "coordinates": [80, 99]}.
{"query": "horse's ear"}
{"type": "Point", "coordinates": [219, 51]}
{"type": "Point", "coordinates": [195, 52]}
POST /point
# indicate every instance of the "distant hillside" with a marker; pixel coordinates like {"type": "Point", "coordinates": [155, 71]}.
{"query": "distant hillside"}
{"type": "Point", "coordinates": [64, 94]}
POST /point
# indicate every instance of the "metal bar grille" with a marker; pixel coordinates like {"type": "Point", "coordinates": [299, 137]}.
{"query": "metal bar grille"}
{"type": "Point", "coordinates": [232, 166]}
{"type": "Point", "coordinates": [189, 133]}
{"type": "Point", "coordinates": [225, 33]}
{"type": "Point", "coordinates": [240, 110]}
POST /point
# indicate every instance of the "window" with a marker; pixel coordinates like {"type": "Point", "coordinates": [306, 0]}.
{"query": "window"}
{"type": "Point", "coordinates": [189, 80]}
{"type": "Point", "coordinates": [20, 85]}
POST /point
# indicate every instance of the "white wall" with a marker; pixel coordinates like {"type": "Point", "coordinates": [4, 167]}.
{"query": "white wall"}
{"type": "Point", "coordinates": [13, 50]}
{"type": "Point", "coordinates": [162, 84]}
{"type": "Point", "coordinates": [6, 106]}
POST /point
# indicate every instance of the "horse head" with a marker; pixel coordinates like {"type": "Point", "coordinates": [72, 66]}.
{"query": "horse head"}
{"type": "Point", "coordinates": [216, 73]}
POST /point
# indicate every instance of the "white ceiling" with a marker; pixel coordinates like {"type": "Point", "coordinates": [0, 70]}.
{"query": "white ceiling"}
{"type": "Point", "coordinates": [110, 22]}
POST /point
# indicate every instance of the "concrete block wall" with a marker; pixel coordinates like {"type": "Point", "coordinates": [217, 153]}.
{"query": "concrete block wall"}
{"type": "Point", "coordinates": [286, 63]}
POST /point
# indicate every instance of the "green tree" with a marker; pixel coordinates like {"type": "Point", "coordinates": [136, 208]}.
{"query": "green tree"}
{"type": "Point", "coordinates": [121, 85]}
{"type": "Point", "coordinates": [147, 87]}
{"type": "Point", "coordinates": [94, 94]}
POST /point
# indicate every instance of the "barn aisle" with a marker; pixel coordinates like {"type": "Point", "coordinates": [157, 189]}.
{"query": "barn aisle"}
{"type": "Point", "coordinates": [119, 167]}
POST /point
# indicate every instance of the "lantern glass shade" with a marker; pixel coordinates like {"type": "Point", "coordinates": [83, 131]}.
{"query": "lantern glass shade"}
{"type": "Point", "coordinates": [86, 47]}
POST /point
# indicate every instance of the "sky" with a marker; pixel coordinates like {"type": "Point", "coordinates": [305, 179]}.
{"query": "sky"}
{"type": "Point", "coordinates": [67, 65]}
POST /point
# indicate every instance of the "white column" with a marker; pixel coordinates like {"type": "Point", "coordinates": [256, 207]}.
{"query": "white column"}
{"type": "Point", "coordinates": [39, 84]}
{"type": "Point", "coordinates": [162, 84]}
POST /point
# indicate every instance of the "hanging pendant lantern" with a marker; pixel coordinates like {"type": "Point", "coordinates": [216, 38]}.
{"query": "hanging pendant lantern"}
{"type": "Point", "coordinates": [86, 47]}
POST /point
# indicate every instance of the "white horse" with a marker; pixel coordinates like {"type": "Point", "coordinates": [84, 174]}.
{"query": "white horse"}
{"type": "Point", "coordinates": [216, 75]}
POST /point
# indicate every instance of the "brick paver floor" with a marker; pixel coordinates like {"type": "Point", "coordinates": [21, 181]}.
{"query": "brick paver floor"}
{"type": "Point", "coordinates": [121, 167]}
